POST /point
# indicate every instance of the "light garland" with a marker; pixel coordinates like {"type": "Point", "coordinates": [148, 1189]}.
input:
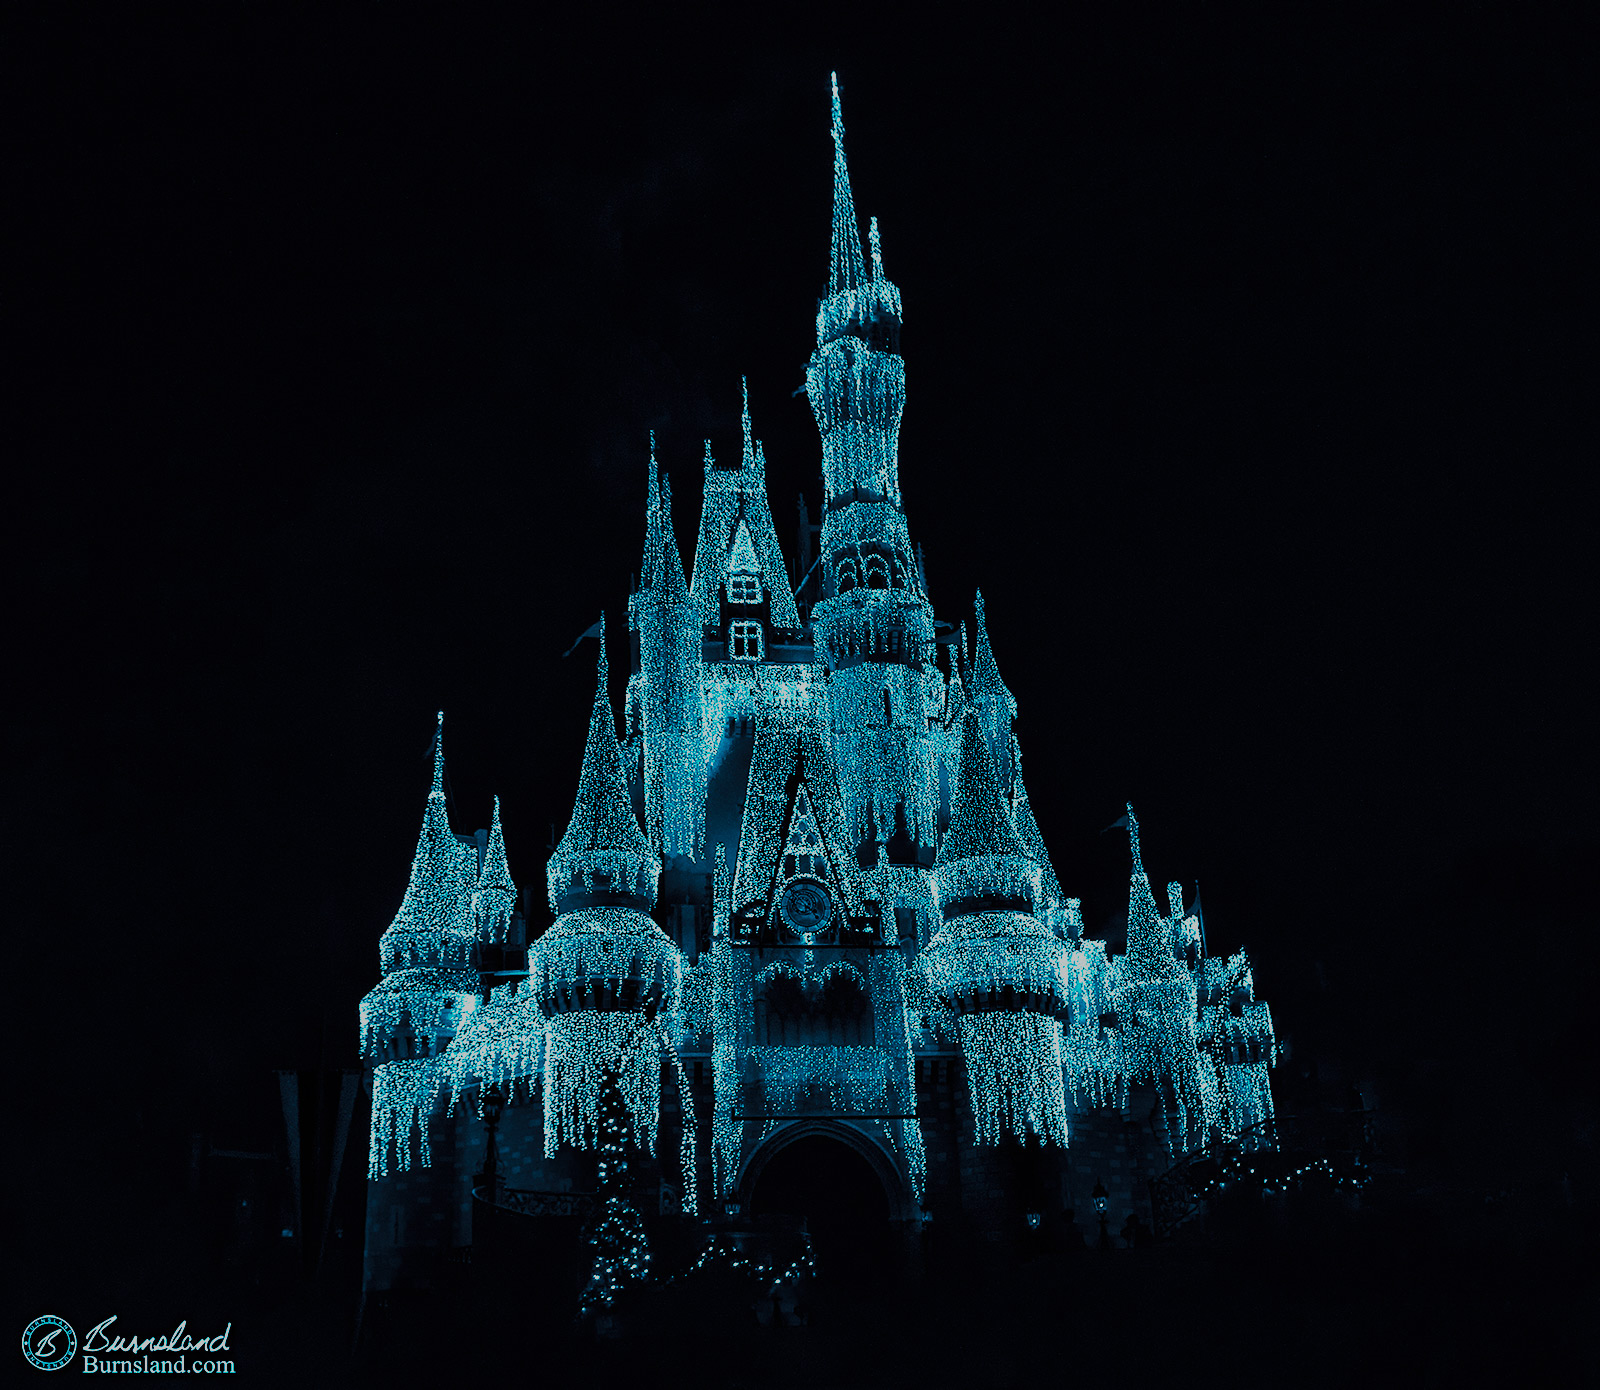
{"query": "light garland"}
{"type": "Point", "coordinates": [1014, 1072]}
{"type": "Point", "coordinates": [605, 957]}
{"type": "Point", "coordinates": [892, 1029]}
{"type": "Point", "coordinates": [733, 1008]}
{"type": "Point", "coordinates": [500, 1043]}
{"type": "Point", "coordinates": [686, 1149]}
{"type": "Point", "coordinates": [403, 1097]}
{"type": "Point", "coordinates": [432, 999]}
{"type": "Point", "coordinates": [854, 1078]}
{"type": "Point", "coordinates": [581, 1050]}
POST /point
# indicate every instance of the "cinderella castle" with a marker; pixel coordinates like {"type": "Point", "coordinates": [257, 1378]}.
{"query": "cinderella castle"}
{"type": "Point", "coordinates": [802, 908]}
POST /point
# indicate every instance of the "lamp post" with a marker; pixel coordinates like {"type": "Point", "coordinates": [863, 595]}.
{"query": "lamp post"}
{"type": "Point", "coordinates": [1102, 1199]}
{"type": "Point", "coordinates": [494, 1104]}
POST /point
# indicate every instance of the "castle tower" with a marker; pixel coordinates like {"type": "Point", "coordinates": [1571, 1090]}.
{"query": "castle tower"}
{"type": "Point", "coordinates": [604, 971]}
{"type": "Point", "coordinates": [873, 626]}
{"type": "Point", "coordinates": [664, 692]}
{"type": "Point", "coordinates": [1156, 1012]}
{"type": "Point", "coordinates": [428, 984]}
{"type": "Point", "coordinates": [993, 965]}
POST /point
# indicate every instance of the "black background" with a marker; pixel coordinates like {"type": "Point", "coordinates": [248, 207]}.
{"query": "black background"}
{"type": "Point", "coordinates": [1250, 375]}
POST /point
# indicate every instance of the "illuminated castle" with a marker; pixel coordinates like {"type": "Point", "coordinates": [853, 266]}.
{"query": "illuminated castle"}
{"type": "Point", "coordinates": [803, 897]}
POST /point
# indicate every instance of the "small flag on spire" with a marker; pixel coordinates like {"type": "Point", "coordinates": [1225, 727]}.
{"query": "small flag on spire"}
{"type": "Point", "coordinates": [597, 632]}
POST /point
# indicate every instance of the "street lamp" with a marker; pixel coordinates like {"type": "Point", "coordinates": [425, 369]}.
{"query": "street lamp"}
{"type": "Point", "coordinates": [493, 1104]}
{"type": "Point", "coordinates": [1102, 1199]}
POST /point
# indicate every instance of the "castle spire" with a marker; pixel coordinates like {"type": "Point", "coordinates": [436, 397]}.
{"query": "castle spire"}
{"type": "Point", "coordinates": [1028, 832]}
{"type": "Point", "coordinates": [877, 249]}
{"type": "Point", "coordinates": [982, 862]}
{"type": "Point", "coordinates": [845, 272]}
{"type": "Point", "coordinates": [604, 851]}
{"type": "Point", "coordinates": [651, 569]}
{"type": "Point", "coordinates": [980, 821]}
{"type": "Point", "coordinates": [496, 894]}
{"type": "Point", "coordinates": [1148, 943]}
{"type": "Point", "coordinates": [677, 586]}
{"type": "Point", "coordinates": [748, 457]}
{"type": "Point", "coordinates": [438, 894]}
{"type": "Point", "coordinates": [988, 690]}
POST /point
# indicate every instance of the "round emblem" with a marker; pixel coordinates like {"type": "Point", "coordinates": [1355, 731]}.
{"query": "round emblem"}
{"type": "Point", "coordinates": [806, 907]}
{"type": "Point", "coordinates": [49, 1343]}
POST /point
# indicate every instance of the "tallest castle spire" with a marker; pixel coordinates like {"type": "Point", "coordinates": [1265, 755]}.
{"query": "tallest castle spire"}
{"type": "Point", "coordinates": [846, 272]}
{"type": "Point", "coordinates": [873, 620]}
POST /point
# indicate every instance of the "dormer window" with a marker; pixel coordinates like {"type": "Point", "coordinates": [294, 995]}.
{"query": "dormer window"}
{"type": "Point", "coordinates": [744, 588]}
{"type": "Point", "coordinates": [744, 641]}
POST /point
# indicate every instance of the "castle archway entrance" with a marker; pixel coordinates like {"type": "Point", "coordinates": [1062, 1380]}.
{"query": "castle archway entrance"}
{"type": "Point", "coordinates": [829, 1176]}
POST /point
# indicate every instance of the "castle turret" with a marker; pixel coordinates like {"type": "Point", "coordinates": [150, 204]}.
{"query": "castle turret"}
{"type": "Point", "coordinates": [665, 689]}
{"type": "Point", "coordinates": [993, 964]}
{"type": "Point", "coordinates": [873, 625]}
{"type": "Point", "coordinates": [604, 970]}
{"type": "Point", "coordinates": [996, 706]}
{"type": "Point", "coordinates": [428, 985]}
{"type": "Point", "coordinates": [494, 898]}
{"type": "Point", "coordinates": [1156, 1012]}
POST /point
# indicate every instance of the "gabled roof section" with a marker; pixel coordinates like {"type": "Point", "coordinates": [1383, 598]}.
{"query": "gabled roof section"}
{"type": "Point", "coordinates": [742, 555]}
{"type": "Point", "coordinates": [735, 496]}
{"type": "Point", "coordinates": [793, 794]}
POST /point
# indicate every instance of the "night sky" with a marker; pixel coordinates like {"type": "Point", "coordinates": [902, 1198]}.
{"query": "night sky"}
{"type": "Point", "coordinates": [1249, 376]}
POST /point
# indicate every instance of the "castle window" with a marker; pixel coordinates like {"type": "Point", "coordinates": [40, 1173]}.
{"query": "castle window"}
{"type": "Point", "coordinates": [744, 641]}
{"type": "Point", "coordinates": [846, 571]}
{"type": "Point", "coordinates": [877, 572]}
{"type": "Point", "coordinates": [744, 588]}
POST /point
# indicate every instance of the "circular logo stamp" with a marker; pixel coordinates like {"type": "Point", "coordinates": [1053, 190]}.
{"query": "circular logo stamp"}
{"type": "Point", "coordinates": [49, 1343]}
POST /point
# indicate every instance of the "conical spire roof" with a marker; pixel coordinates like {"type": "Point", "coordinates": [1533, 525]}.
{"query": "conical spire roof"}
{"type": "Point", "coordinates": [980, 821]}
{"type": "Point", "coordinates": [604, 848]}
{"type": "Point", "coordinates": [1148, 945]}
{"type": "Point", "coordinates": [443, 871]}
{"type": "Point", "coordinates": [845, 270]}
{"type": "Point", "coordinates": [988, 690]}
{"type": "Point", "coordinates": [1028, 832]}
{"type": "Point", "coordinates": [672, 560]}
{"type": "Point", "coordinates": [982, 862]}
{"type": "Point", "coordinates": [650, 571]}
{"type": "Point", "coordinates": [496, 894]}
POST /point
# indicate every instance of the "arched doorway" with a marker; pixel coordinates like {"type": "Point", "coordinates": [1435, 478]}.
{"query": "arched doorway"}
{"type": "Point", "coordinates": [839, 1192]}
